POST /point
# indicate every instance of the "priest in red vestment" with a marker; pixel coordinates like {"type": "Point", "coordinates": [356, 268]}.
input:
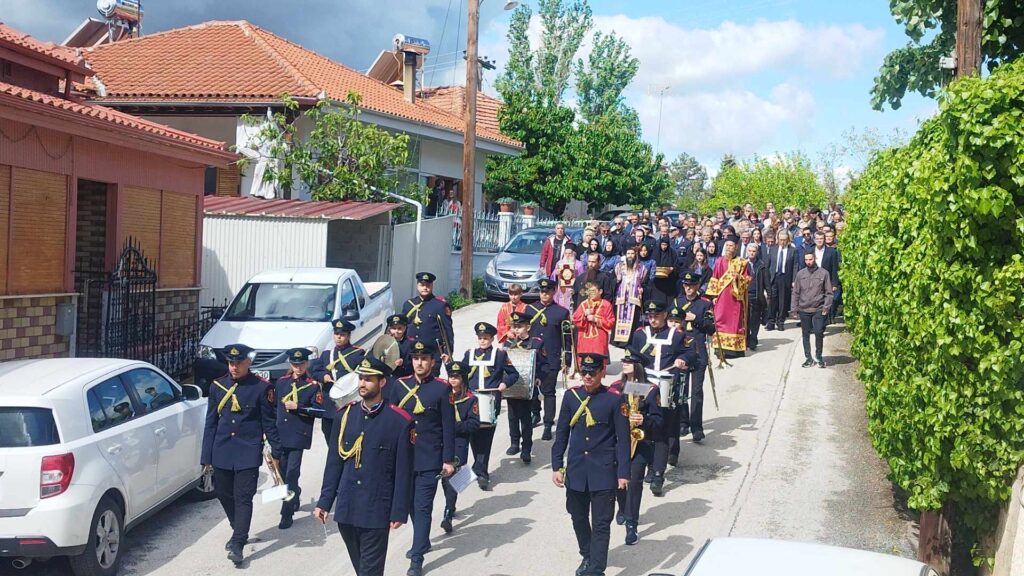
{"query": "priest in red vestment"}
{"type": "Point", "coordinates": [728, 287]}
{"type": "Point", "coordinates": [594, 320]}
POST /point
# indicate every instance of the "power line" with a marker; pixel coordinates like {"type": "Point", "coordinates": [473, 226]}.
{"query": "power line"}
{"type": "Point", "coordinates": [444, 28]}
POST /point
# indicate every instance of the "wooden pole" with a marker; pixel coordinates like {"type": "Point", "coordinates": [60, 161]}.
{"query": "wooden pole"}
{"type": "Point", "coordinates": [469, 151]}
{"type": "Point", "coordinates": [968, 38]}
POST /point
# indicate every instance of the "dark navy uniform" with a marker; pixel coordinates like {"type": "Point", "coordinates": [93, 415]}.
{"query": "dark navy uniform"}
{"type": "Point", "coordinates": [520, 425]}
{"type": "Point", "coordinates": [295, 427]}
{"type": "Point", "coordinates": [691, 416]}
{"type": "Point", "coordinates": [546, 324]}
{"type": "Point", "coordinates": [239, 415]}
{"type": "Point", "coordinates": [430, 320]}
{"type": "Point", "coordinates": [428, 402]}
{"type": "Point", "coordinates": [405, 368]}
{"type": "Point", "coordinates": [336, 363]}
{"type": "Point", "coordinates": [643, 454]}
{"type": "Point", "coordinates": [594, 428]}
{"type": "Point", "coordinates": [487, 369]}
{"type": "Point", "coordinates": [660, 348]}
{"type": "Point", "coordinates": [369, 475]}
{"type": "Point", "coordinates": [467, 424]}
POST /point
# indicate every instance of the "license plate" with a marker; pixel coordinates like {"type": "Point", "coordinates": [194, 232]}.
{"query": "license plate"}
{"type": "Point", "coordinates": [265, 374]}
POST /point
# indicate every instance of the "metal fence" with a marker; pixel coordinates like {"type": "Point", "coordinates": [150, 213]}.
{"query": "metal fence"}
{"type": "Point", "coordinates": [177, 342]}
{"type": "Point", "coordinates": [488, 233]}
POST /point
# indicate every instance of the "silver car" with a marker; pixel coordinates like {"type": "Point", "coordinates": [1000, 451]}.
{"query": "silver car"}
{"type": "Point", "coordinates": [518, 262]}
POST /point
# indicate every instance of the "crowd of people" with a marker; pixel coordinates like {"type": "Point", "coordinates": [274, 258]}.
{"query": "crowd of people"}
{"type": "Point", "coordinates": [671, 294]}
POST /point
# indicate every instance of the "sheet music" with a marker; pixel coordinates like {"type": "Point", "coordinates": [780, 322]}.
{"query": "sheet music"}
{"type": "Point", "coordinates": [462, 479]}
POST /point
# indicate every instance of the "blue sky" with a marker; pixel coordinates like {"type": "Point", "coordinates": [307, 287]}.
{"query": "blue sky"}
{"type": "Point", "coordinates": [747, 77]}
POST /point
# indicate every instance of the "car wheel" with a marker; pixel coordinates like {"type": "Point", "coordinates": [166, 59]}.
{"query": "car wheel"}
{"type": "Point", "coordinates": [203, 489]}
{"type": "Point", "coordinates": [102, 555]}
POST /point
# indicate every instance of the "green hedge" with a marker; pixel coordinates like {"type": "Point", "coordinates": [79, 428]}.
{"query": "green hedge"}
{"type": "Point", "coordinates": [934, 288]}
{"type": "Point", "coordinates": [786, 180]}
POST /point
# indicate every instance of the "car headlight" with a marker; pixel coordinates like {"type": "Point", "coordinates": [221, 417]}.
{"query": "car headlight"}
{"type": "Point", "coordinates": [491, 268]}
{"type": "Point", "coordinates": [206, 353]}
{"type": "Point", "coordinates": [314, 350]}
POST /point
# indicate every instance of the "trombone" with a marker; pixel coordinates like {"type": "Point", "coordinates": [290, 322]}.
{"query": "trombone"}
{"type": "Point", "coordinates": [275, 473]}
{"type": "Point", "coordinates": [568, 331]}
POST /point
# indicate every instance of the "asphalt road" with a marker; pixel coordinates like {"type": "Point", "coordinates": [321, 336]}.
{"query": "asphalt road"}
{"type": "Point", "coordinates": [787, 456]}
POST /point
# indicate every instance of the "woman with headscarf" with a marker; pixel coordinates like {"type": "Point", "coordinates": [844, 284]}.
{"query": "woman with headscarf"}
{"type": "Point", "coordinates": [665, 285]}
{"type": "Point", "coordinates": [712, 253]}
{"type": "Point", "coordinates": [594, 247]}
{"type": "Point", "coordinates": [610, 256]}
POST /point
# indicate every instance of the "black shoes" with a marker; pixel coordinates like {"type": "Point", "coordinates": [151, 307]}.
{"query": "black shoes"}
{"type": "Point", "coordinates": [227, 546]}
{"type": "Point", "coordinates": [673, 460]}
{"type": "Point", "coordinates": [584, 567]}
{"type": "Point", "coordinates": [657, 485]}
{"type": "Point", "coordinates": [684, 430]}
{"type": "Point", "coordinates": [446, 522]}
{"type": "Point", "coordinates": [781, 326]}
{"type": "Point", "coordinates": [821, 363]}
{"type": "Point", "coordinates": [409, 554]}
{"type": "Point", "coordinates": [770, 327]}
{"type": "Point", "coordinates": [807, 363]}
{"type": "Point", "coordinates": [513, 449]}
{"type": "Point", "coordinates": [235, 553]}
{"type": "Point", "coordinates": [631, 536]}
{"type": "Point", "coordinates": [415, 568]}
{"type": "Point", "coordinates": [536, 419]}
{"type": "Point", "coordinates": [698, 435]}
{"type": "Point", "coordinates": [526, 456]}
{"type": "Point", "coordinates": [286, 522]}
{"type": "Point", "coordinates": [483, 482]}
{"type": "Point", "coordinates": [547, 432]}
{"type": "Point", "coordinates": [620, 518]}
{"type": "Point", "coordinates": [649, 477]}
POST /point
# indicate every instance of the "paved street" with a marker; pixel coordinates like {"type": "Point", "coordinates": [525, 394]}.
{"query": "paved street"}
{"type": "Point", "coordinates": [787, 456]}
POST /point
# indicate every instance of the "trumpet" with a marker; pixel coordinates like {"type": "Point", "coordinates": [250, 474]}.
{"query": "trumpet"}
{"type": "Point", "coordinates": [275, 472]}
{"type": "Point", "coordinates": [636, 434]}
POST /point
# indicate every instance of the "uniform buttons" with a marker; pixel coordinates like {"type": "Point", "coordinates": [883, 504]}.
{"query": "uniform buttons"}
{"type": "Point", "coordinates": [586, 453]}
{"type": "Point", "coordinates": [359, 481]}
{"type": "Point", "coordinates": [232, 421]}
{"type": "Point", "coordinates": [587, 438]}
{"type": "Point", "coordinates": [232, 433]}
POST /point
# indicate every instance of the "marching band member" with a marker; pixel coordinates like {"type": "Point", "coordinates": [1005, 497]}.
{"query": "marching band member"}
{"type": "Point", "coordinates": [430, 320]}
{"type": "Point", "coordinates": [397, 328]}
{"type": "Point", "coordinates": [427, 399]}
{"type": "Point", "coordinates": [489, 372]}
{"type": "Point", "coordinates": [520, 424]}
{"type": "Point", "coordinates": [593, 426]}
{"type": "Point", "coordinates": [699, 319]}
{"type": "Point", "coordinates": [299, 400]}
{"type": "Point", "coordinates": [546, 318]}
{"type": "Point", "coordinates": [372, 486]}
{"type": "Point", "coordinates": [239, 414]}
{"type": "Point", "coordinates": [335, 363]}
{"type": "Point", "coordinates": [467, 423]}
{"type": "Point", "coordinates": [645, 420]}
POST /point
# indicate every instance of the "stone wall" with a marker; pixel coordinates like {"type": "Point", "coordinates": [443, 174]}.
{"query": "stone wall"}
{"type": "Point", "coordinates": [175, 306]}
{"type": "Point", "coordinates": [1007, 542]}
{"type": "Point", "coordinates": [28, 328]}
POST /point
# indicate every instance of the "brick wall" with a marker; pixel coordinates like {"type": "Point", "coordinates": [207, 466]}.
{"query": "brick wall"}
{"type": "Point", "coordinates": [90, 262]}
{"type": "Point", "coordinates": [355, 244]}
{"type": "Point", "coordinates": [28, 328]}
{"type": "Point", "coordinates": [174, 306]}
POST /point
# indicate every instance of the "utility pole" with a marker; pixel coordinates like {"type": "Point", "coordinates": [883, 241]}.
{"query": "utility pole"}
{"type": "Point", "coordinates": [968, 38]}
{"type": "Point", "coordinates": [469, 151]}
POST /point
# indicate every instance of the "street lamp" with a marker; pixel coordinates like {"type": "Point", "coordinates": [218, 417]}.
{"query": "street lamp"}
{"type": "Point", "coordinates": [469, 146]}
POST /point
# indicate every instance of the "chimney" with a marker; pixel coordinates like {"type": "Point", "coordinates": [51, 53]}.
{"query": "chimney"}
{"type": "Point", "coordinates": [409, 76]}
{"type": "Point", "coordinates": [411, 49]}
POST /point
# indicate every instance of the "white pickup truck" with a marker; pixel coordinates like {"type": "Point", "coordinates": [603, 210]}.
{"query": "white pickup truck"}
{"type": "Point", "coordinates": [291, 308]}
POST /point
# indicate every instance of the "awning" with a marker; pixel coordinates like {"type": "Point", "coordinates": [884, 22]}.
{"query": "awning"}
{"type": "Point", "coordinates": [277, 208]}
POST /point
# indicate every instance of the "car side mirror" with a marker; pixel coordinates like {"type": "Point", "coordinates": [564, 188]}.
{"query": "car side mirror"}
{"type": "Point", "coordinates": [190, 392]}
{"type": "Point", "coordinates": [350, 314]}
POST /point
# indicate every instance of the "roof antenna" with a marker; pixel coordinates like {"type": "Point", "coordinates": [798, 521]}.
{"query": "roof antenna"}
{"type": "Point", "coordinates": [123, 17]}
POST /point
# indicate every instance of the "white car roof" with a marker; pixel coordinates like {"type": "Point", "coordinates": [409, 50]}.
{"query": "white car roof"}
{"type": "Point", "coordinates": [39, 377]}
{"type": "Point", "coordinates": [778, 557]}
{"type": "Point", "coordinates": [302, 275]}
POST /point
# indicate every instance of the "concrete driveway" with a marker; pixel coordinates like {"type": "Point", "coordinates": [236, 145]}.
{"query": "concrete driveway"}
{"type": "Point", "coordinates": [786, 456]}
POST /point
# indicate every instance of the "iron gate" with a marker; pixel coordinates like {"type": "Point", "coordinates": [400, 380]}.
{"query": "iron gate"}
{"type": "Point", "coordinates": [130, 319]}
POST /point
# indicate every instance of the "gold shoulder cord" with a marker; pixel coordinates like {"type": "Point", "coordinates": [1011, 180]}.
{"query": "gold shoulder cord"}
{"type": "Point", "coordinates": [583, 409]}
{"type": "Point", "coordinates": [357, 447]}
{"type": "Point", "coordinates": [229, 393]}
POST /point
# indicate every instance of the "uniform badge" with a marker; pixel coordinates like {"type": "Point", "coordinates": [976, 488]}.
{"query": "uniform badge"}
{"type": "Point", "coordinates": [319, 397]}
{"type": "Point", "coordinates": [624, 409]}
{"type": "Point", "coordinates": [476, 409]}
{"type": "Point", "coordinates": [412, 436]}
{"type": "Point", "coordinates": [270, 395]}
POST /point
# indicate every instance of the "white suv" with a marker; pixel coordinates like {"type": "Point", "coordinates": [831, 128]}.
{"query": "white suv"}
{"type": "Point", "coordinates": [89, 448]}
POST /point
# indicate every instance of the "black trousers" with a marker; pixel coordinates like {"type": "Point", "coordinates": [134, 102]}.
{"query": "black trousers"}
{"type": "Point", "coordinates": [592, 514]}
{"type": "Point", "coordinates": [629, 499]}
{"type": "Point", "coordinates": [235, 489]}
{"type": "Point", "coordinates": [520, 428]}
{"type": "Point", "coordinates": [756, 311]}
{"type": "Point", "coordinates": [290, 466]}
{"type": "Point", "coordinates": [692, 412]}
{"type": "Point", "coordinates": [326, 424]}
{"type": "Point", "coordinates": [424, 490]}
{"type": "Point", "coordinates": [367, 548]}
{"type": "Point", "coordinates": [781, 294]}
{"type": "Point", "coordinates": [547, 396]}
{"type": "Point", "coordinates": [813, 323]}
{"type": "Point", "coordinates": [481, 442]}
{"type": "Point", "coordinates": [451, 497]}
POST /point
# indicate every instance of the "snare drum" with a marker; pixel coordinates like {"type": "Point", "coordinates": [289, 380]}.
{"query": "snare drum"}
{"type": "Point", "coordinates": [488, 409]}
{"type": "Point", "coordinates": [345, 390]}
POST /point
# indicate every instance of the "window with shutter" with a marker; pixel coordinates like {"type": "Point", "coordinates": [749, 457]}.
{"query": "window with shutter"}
{"type": "Point", "coordinates": [178, 241]}
{"type": "Point", "coordinates": [229, 181]}
{"type": "Point", "coordinates": [38, 231]}
{"type": "Point", "coordinates": [5, 216]}
{"type": "Point", "coordinates": [140, 214]}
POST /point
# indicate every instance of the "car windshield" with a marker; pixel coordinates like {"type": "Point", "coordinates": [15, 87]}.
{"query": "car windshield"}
{"type": "Point", "coordinates": [25, 427]}
{"type": "Point", "coordinates": [284, 302]}
{"type": "Point", "coordinates": [527, 242]}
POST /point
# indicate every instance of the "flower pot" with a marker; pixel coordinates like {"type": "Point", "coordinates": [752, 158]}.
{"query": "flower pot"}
{"type": "Point", "coordinates": [504, 207]}
{"type": "Point", "coordinates": [528, 210]}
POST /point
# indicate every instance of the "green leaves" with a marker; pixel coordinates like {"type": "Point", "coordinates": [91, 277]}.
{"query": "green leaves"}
{"type": "Point", "coordinates": [934, 284]}
{"type": "Point", "coordinates": [785, 181]}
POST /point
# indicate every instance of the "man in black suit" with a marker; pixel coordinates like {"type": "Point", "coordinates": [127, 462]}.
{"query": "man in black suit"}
{"type": "Point", "coordinates": [781, 264]}
{"type": "Point", "coordinates": [757, 293]}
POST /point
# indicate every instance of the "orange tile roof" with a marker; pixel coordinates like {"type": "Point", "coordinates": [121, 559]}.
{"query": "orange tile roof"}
{"type": "Point", "coordinates": [453, 99]}
{"type": "Point", "coordinates": [66, 57]}
{"type": "Point", "coordinates": [216, 61]}
{"type": "Point", "coordinates": [22, 98]}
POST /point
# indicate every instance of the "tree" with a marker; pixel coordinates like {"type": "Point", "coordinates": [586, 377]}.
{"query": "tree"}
{"type": "Point", "coordinates": [931, 26]}
{"type": "Point", "coordinates": [788, 180]}
{"type": "Point", "coordinates": [341, 158]}
{"type": "Point", "coordinates": [689, 179]}
{"type": "Point", "coordinates": [601, 80]}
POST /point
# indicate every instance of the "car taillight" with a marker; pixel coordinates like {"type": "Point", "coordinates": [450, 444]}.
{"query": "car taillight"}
{"type": "Point", "coordinates": [55, 474]}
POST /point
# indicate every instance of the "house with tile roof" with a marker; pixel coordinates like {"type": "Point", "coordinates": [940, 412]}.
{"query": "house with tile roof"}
{"type": "Point", "coordinates": [77, 180]}
{"type": "Point", "coordinates": [204, 77]}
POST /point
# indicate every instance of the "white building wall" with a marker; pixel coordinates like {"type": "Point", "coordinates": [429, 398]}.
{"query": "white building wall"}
{"type": "Point", "coordinates": [236, 248]}
{"type": "Point", "coordinates": [444, 159]}
{"type": "Point", "coordinates": [434, 256]}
